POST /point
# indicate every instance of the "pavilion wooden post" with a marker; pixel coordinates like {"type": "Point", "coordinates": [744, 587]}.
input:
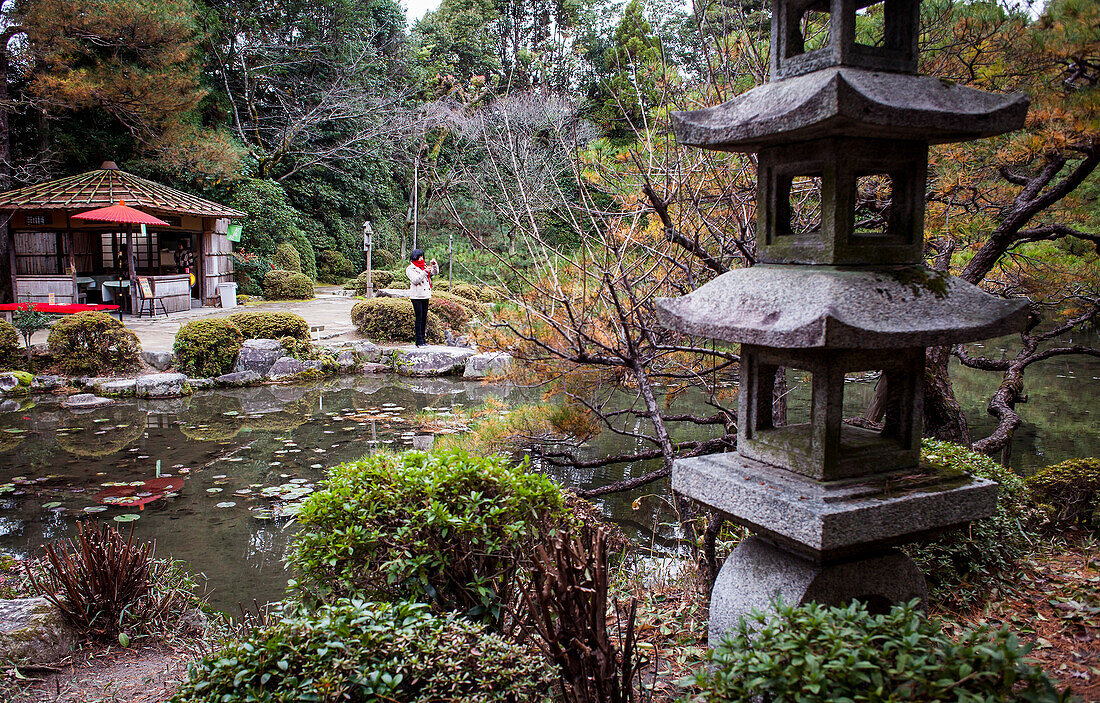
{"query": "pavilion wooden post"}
{"type": "Point", "coordinates": [70, 242]}
{"type": "Point", "coordinates": [132, 265]}
{"type": "Point", "coordinates": [11, 260]}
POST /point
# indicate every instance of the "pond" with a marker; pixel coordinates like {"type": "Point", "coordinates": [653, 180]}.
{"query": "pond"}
{"type": "Point", "coordinates": [231, 462]}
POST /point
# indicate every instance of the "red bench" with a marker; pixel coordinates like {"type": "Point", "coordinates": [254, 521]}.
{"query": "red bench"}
{"type": "Point", "coordinates": [65, 309]}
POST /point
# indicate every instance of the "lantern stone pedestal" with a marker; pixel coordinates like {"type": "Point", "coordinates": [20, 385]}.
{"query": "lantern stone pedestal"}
{"type": "Point", "coordinates": [842, 131]}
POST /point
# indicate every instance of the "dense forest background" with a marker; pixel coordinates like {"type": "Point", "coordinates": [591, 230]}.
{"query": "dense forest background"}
{"type": "Point", "coordinates": [537, 134]}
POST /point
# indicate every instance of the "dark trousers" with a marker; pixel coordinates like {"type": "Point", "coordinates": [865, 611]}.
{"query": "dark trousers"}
{"type": "Point", "coordinates": [420, 309]}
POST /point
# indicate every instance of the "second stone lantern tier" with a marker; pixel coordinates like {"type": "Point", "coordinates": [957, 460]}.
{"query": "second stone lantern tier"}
{"type": "Point", "coordinates": [842, 136]}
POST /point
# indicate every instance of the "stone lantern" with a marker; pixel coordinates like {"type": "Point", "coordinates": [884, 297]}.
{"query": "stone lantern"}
{"type": "Point", "coordinates": [828, 501]}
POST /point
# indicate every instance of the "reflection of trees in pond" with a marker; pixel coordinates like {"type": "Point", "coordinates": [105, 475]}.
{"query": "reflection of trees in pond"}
{"type": "Point", "coordinates": [123, 427]}
{"type": "Point", "coordinates": [294, 414]}
{"type": "Point", "coordinates": [212, 418]}
{"type": "Point", "coordinates": [9, 441]}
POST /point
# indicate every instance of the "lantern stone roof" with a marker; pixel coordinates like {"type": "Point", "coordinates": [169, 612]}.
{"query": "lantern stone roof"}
{"type": "Point", "coordinates": [850, 102]}
{"type": "Point", "coordinates": [827, 307]}
{"type": "Point", "coordinates": [106, 186]}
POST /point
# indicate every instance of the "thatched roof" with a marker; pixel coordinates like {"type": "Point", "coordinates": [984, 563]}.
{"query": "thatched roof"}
{"type": "Point", "coordinates": [106, 186]}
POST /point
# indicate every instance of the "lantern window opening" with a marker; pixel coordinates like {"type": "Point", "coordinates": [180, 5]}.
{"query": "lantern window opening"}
{"type": "Point", "coordinates": [870, 23]}
{"type": "Point", "coordinates": [812, 30]}
{"type": "Point", "coordinates": [800, 202]}
{"type": "Point", "coordinates": [873, 204]}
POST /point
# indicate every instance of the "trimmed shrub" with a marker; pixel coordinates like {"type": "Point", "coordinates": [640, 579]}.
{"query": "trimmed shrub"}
{"type": "Point", "coordinates": [400, 278]}
{"type": "Point", "coordinates": [287, 258]}
{"type": "Point", "coordinates": [333, 266]}
{"type": "Point", "coordinates": [452, 314]}
{"type": "Point", "coordinates": [10, 355]}
{"type": "Point", "coordinates": [489, 294]}
{"type": "Point", "coordinates": [381, 258]}
{"type": "Point", "coordinates": [207, 348]}
{"type": "Point", "coordinates": [380, 278]}
{"type": "Point", "coordinates": [473, 307]}
{"type": "Point", "coordinates": [961, 565]}
{"type": "Point", "coordinates": [93, 342]}
{"type": "Point", "coordinates": [287, 285]}
{"type": "Point", "coordinates": [815, 654]}
{"type": "Point", "coordinates": [448, 529]}
{"type": "Point", "coordinates": [368, 653]}
{"type": "Point", "coordinates": [391, 320]}
{"type": "Point", "coordinates": [270, 325]}
{"type": "Point", "coordinates": [1068, 493]}
{"type": "Point", "coordinates": [466, 290]}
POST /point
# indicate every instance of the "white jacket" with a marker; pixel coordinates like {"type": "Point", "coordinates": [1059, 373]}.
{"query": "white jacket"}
{"type": "Point", "coordinates": [420, 287]}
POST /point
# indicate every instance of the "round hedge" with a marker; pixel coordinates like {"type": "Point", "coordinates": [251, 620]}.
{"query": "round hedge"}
{"type": "Point", "coordinates": [382, 258]}
{"type": "Point", "coordinates": [287, 285]}
{"type": "Point", "coordinates": [332, 265]}
{"type": "Point", "coordinates": [473, 307]}
{"type": "Point", "coordinates": [207, 348]}
{"type": "Point", "coordinates": [287, 258]}
{"type": "Point", "coordinates": [379, 278]}
{"type": "Point", "coordinates": [93, 342]}
{"type": "Point", "coordinates": [9, 346]}
{"type": "Point", "coordinates": [270, 325]}
{"type": "Point", "coordinates": [451, 313]}
{"type": "Point", "coordinates": [391, 320]}
{"type": "Point", "coordinates": [1069, 492]}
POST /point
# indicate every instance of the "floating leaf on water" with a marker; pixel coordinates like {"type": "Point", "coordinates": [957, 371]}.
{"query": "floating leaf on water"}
{"type": "Point", "coordinates": [185, 471]}
{"type": "Point", "coordinates": [51, 504]}
{"type": "Point", "coordinates": [95, 509]}
{"type": "Point", "coordinates": [316, 466]}
{"type": "Point", "coordinates": [231, 413]}
{"type": "Point", "coordinates": [226, 504]}
{"type": "Point", "coordinates": [243, 491]}
{"type": "Point", "coordinates": [143, 456]}
{"type": "Point", "coordinates": [128, 517]}
{"type": "Point", "coordinates": [213, 490]}
{"type": "Point", "coordinates": [173, 494]}
{"type": "Point", "coordinates": [14, 430]}
{"type": "Point", "coordinates": [219, 476]}
{"type": "Point", "coordinates": [299, 480]}
{"type": "Point", "coordinates": [101, 419]}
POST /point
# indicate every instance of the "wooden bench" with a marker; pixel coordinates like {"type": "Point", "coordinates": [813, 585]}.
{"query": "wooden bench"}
{"type": "Point", "coordinates": [50, 289]}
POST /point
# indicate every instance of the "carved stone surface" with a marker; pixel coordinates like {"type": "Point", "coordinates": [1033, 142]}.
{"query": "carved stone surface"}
{"type": "Point", "coordinates": [827, 520]}
{"type": "Point", "coordinates": [850, 102]}
{"type": "Point", "coordinates": [757, 573]}
{"type": "Point", "coordinates": [827, 307]}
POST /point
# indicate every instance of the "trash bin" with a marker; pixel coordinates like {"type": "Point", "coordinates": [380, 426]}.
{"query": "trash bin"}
{"type": "Point", "coordinates": [228, 293]}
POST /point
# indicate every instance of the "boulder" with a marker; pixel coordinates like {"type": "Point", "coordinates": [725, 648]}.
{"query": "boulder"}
{"type": "Point", "coordinates": [33, 632]}
{"type": "Point", "coordinates": [85, 401]}
{"type": "Point", "coordinates": [347, 361]}
{"type": "Point", "coordinates": [8, 382]}
{"type": "Point", "coordinates": [431, 360]}
{"type": "Point", "coordinates": [117, 388]}
{"type": "Point", "coordinates": [288, 367]}
{"type": "Point", "coordinates": [47, 382]}
{"type": "Point", "coordinates": [374, 367]}
{"type": "Point", "coordinates": [200, 384]}
{"type": "Point", "coordinates": [159, 360]}
{"type": "Point", "coordinates": [238, 379]}
{"type": "Point", "coordinates": [258, 355]}
{"type": "Point", "coordinates": [162, 385]}
{"type": "Point", "coordinates": [487, 364]}
{"type": "Point", "coordinates": [368, 352]}
{"type": "Point", "coordinates": [9, 406]}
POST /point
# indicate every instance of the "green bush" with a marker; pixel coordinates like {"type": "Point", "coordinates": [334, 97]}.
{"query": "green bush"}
{"type": "Point", "coordinates": [400, 278]}
{"type": "Point", "coordinates": [207, 348]}
{"type": "Point", "coordinates": [270, 325]}
{"type": "Point", "coordinates": [473, 307]}
{"type": "Point", "coordinates": [466, 290]}
{"type": "Point", "coordinates": [1068, 493]}
{"type": "Point", "coordinates": [287, 285]}
{"type": "Point", "coordinates": [489, 294]}
{"type": "Point", "coordinates": [447, 528]}
{"type": "Point", "coordinates": [93, 342]}
{"type": "Point", "coordinates": [812, 654]}
{"type": "Point", "coordinates": [381, 258]}
{"type": "Point", "coordinates": [961, 565]}
{"type": "Point", "coordinates": [380, 278]}
{"type": "Point", "coordinates": [368, 653]}
{"type": "Point", "coordinates": [451, 314]}
{"type": "Point", "coordinates": [10, 355]}
{"type": "Point", "coordinates": [391, 320]}
{"type": "Point", "coordinates": [287, 258]}
{"type": "Point", "coordinates": [333, 266]}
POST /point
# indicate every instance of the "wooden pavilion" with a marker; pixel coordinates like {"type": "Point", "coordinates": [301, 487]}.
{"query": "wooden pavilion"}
{"type": "Point", "coordinates": [51, 254]}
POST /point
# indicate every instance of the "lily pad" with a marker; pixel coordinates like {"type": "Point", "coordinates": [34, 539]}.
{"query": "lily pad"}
{"type": "Point", "coordinates": [128, 517]}
{"type": "Point", "coordinates": [226, 504]}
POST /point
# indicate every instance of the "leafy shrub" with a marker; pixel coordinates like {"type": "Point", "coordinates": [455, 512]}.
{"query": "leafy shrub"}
{"type": "Point", "coordinates": [381, 258]}
{"type": "Point", "coordinates": [489, 294]}
{"type": "Point", "coordinates": [248, 272]}
{"type": "Point", "coordinates": [450, 313]}
{"type": "Point", "coordinates": [287, 285]}
{"type": "Point", "coordinates": [961, 565]}
{"type": "Point", "coordinates": [287, 258]}
{"type": "Point", "coordinates": [400, 278]}
{"type": "Point", "coordinates": [1069, 492]}
{"type": "Point", "coordinates": [368, 653]}
{"type": "Point", "coordinates": [9, 346]}
{"type": "Point", "coordinates": [333, 266]}
{"type": "Point", "coordinates": [379, 278]}
{"type": "Point", "coordinates": [207, 348]}
{"type": "Point", "coordinates": [93, 342]}
{"type": "Point", "coordinates": [448, 529]}
{"type": "Point", "coordinates": [473, 307]}
{"type": "Point", "coordinates": [270, 325]}
{"type": "Point", "coordinates": [391, 320]}
{"type": "Point", "coordinates": [813, 653]}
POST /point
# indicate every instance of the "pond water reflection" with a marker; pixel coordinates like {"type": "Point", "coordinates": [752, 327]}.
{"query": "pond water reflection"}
{"type": "Point", "coordinates": [232, 463]}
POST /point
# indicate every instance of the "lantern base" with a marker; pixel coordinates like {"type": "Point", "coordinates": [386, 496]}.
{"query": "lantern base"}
{"type": "Point", "coordinates": [758, 574]}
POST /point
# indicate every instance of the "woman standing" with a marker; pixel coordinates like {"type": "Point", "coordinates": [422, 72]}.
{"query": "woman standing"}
{"type": "Point", "coordinates": [420, 290]}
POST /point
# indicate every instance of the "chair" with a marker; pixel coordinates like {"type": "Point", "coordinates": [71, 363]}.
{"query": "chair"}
{"type": "Point", "coordinates": [146, 293]}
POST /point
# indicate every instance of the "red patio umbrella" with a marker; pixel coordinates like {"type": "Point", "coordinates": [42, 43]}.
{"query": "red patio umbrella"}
{"type": "Point", "coordinates": [123, 214]}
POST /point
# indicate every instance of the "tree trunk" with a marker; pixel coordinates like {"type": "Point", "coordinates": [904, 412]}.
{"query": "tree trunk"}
{"type": "Point", "coordinates": [943, 418]}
